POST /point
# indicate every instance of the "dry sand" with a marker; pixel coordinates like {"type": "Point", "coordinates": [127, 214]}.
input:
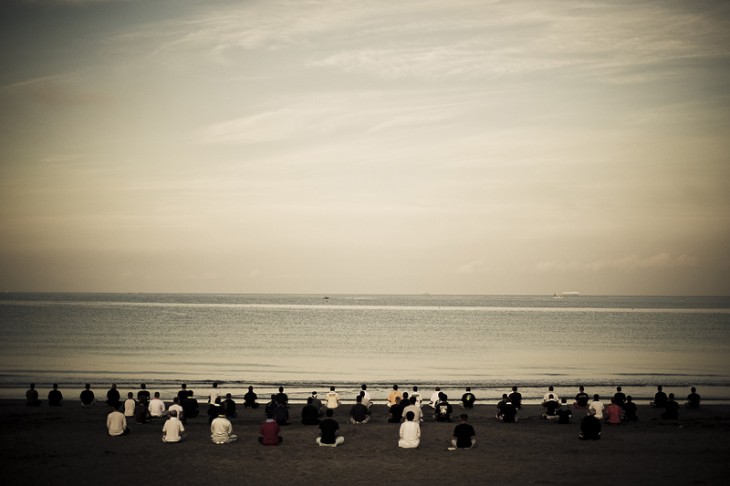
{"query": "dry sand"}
{"type": "Point", "coordinates": [69, 445]}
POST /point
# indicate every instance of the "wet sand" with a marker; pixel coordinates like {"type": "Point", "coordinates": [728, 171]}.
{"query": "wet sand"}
{"type": "Point", "coordinates": [69, 445]}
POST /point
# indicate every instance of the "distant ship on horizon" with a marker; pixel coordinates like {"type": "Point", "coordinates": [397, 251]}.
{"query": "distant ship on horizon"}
{"type": "Point", "coordinates": [566, 294]}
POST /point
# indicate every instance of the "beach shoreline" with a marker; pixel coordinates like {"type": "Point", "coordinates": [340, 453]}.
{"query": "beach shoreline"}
{"type": "Point", "coordinates": [69, 444]}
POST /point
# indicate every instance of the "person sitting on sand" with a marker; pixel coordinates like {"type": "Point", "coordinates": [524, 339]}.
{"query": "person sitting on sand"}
{"type": "Point", "coordinates": [410, 433]}
{"type": "Point", "coordinates": [660, 398]}
{"type": "Point", "coordinates": [190, 406]}
{"type": "Point", "coordinates": [310, 413]}
{"type": "Point", "coordinates": [87, 396]}
{"type": "Point", "coordinates": [113, 397]}
{"type": "Point", "coordinates": [281, 414]}
{"type": "Point", "coordinates": [546, 397]}
{"type": "Point", "coordinates": [269, 432]}
{"type": "Point", "coordinates": [55, 397]}
{"type": "Point", "coordinates": [249, 399]}
{"type": "Point", "coordinates": [613, 413]}
{"type": "Point", "coordinates": [393, 395]}
{"type": "Point", "coordinates": [221, 430]}
{"type": "Point", "coordinates": [506, 411]}
{"type": "Point", "coordinates": [619, 398]}
{"type": "Point", "coordinates": [671, 409]}
{"type": "Point", "coordinates": [590, 427]}
{"type": "Point", "coordinates": [417, 395]}
{"type": "Point", "coordinates": [157, 407]}
{"type": "Point", "coordinates": [564, 414]}
{"type": "Point", "coordinates": [116, 423]}
{"type": "Point", "coordinates": [173, 430]}
{"type": "Point", "coordinates": [365, 396]}
{"type": "Point", "coordinates": [31, 397]}
{"type": "Point", "coordinates": [317, 403]}
{"type": "Point", "coordinates": [596, 407]}
{"type": "Point", "coordinates": [412, 406]}
{"type": "Point", "coordinates": [129, 405]}
{"type": "Point", "coordinates": [143, 393]}
{"type": "Point", "coordinates": [140, 412]}
{"type": "Point", "coordinates": [214, 410]}
{"type": "Point", "coordinates": [177, 408]}
{"type": "Point", "coordinates": [359, 413]}
{"type": "Point", "coordinates": [630, 410]}
{"type": "Point", "coordinates": [332, 400]}
{"type": "Point", "coordinates": [271, 406]}
{"type": "Point", "coordinates": [515, 398]}
{"type": "Point", "coordinates": [551, 406]}
{"type": "Point", "coordinates": [443, 409]}
{"type": "Point", "coordinates": [434, 397]}
{"type": "Point", "coordinates": [229, 406]}
{"type": "Point", "coordinates": [468, 399]}
{"type": "Point", "coordinates": [282, 398]}
{"type": "Point", "coordinates": [693, 399]}
{"type": "Point", "coordinates": [328, 428]}
{"type": "Point", "coordinates": [464, 434]}
{"type": "Point", "coordinates": [182, 394]}
{"type": "Point", "coordinates": [214, 393]}
{"type": "Point", "coordinates": [395, 412]}
{"type": "Point", "coordinates": [581, 399]}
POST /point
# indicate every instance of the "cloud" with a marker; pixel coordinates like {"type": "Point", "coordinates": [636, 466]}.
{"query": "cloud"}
{"type": "Point", "coordinates": [473, 267]}
{"type": "Point", "coordinates": [627, 263]}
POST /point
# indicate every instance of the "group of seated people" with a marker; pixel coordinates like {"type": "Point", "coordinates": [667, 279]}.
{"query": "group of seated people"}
{"type": "Point", "coordinates": [403, 407]}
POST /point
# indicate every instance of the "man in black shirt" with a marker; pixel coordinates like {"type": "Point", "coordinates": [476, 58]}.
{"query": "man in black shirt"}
{"type": "Point", "coordinates": [463, 434]}
{"type": "Point", "coordinates": [328, 428]}
{"type": "Point", "coordinates": [515, 398]}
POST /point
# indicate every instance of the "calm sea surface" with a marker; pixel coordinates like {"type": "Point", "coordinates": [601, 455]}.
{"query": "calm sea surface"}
{"type": "Point", "coordinates": [306, 341]}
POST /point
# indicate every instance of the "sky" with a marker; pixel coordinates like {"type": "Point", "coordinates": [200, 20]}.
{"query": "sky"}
{"type": "Point", "coordinates": [365, 146]}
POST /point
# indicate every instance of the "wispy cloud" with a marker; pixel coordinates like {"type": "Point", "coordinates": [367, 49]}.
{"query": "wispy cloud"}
{"type": "Point", "coordinates": [628, 263]}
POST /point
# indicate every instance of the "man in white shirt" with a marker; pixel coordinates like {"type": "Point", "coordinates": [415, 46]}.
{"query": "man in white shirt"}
{"type": "Point", "coordinates": [413, 407]}
{"type": "Point", "coordinates": [173, 430]}
{"type": "Point", "coordinates": [435, 397]}
{"type": "Point", "coordinates": [333, 399]}
{"type": "Point", "coordinates": [365, 396]}
{"type": "Point", "coordinates": [221, 430]}
{"type": "Point", "coordinates": [551, 391]}
{"type": "Point", "coordinates": [116, 423]}
{"type": "Point", "coordinates": [129, 404]}
{"type": "Point", "coordinates": [157, 407]}
{"type": "Point", "coordinates": [597, 407]}
{"type": "Point", "coordinates": [410, 433]}
{"type": "Point", "coordinates": [177, 408]}
{"type": "Point", "coordinates": [214, 393]}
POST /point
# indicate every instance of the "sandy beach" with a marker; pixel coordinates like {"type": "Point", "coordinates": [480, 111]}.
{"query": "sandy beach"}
{"type": "Point", "coordinates": [69, 445]}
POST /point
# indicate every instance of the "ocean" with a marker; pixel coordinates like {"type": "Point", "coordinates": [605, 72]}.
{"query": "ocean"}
{"type": "Point", "coordinates": [306, 342]}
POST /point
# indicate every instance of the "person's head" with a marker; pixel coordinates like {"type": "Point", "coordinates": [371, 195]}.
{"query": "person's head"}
{"type": "Point", "coordinates": [618, 388]}
{"type": "Point", "coordinates": [314, 393]}
{"type": "Point", "coordinates": [410, 416]}
{"type": "Point", "coordinates": [143, 386]}
{"type": "Point", "coordinates": [395, 387]}
{"type": "Point", "coordinates": [659, 388]}
{"type": "Point", "coordinates": [190, 393]}
{"type": "Point", "coordinates": [55, 386]}
{"type": "Point", "coordinates": [413, 400]}
{"type": "Point", "coordinates": [250, 388]}
{"type": "Point", "coordinates": [397, 400]}
{"type": "Point", "coordinates": [32, 386]}
{"type": "Point", "coordinates": [581, 388]}
{"type": "Point", "coordinates": [468, 388]}
{"type": "Point", "coordinates": [329, 412]}
{"type": "Point", "coordinates": [550, 388]}
{"type": "Point", "coordinates": [563, 400]}
{"type": "Point", "coordinates": [415, 389]}
{"type": "Point", "coordinates": [504, 396]}
{"type": "Point", "coordinates": [183, 386]}
{"type": "Point", "coordinates": [363, 387]}
{"type": "Point", "coordinates": [281, 389]}
{"type": "Point", "coordinates": [215, 384]}
{"type": "Point", "coordinates": [693, 390]}
{"type": "Point", "coordinates": [362, 394]}
{"type": "Point", "coordinates": [629, 398]}
{"type": "Point", "coordinates": [514, 388]}
{"type": "Point", "coordinates": [442, 396]}
{"type": "Point", "coordinates": [671, 396]}
{"type": "Point", "coordinates": [332, 388]}
{"type": "Point", "coordinates": [358, 399]}
{"type": "Point", "coordinates": [130, 395]}
{"type": "Point", "coordinates": [114, 386]}
{"type": "Point", "coordinates": [273, 397]}
{"type": "Point", "coordinates": [173, 413]}
{"type": "Point", "coordinates": [228, 396]}
{"type": "Point", "coordinates": [463, 417]}
{"type": "Point", "coordinates": [157, 394]}
{"type": "Point", "coordinates": [87, 386]}
{"type": "Point", "coordinates": [405, 395]}
{"type": "Point", "coordinates": [310, 400]}
{"type": "Point", "coordinates": [596, 397]}
{"type": "Point", "coordinates": [438, 388]}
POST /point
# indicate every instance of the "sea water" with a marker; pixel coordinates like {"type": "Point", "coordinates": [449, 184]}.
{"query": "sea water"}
{"type": "Point", "coordinates": [312, 341]}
